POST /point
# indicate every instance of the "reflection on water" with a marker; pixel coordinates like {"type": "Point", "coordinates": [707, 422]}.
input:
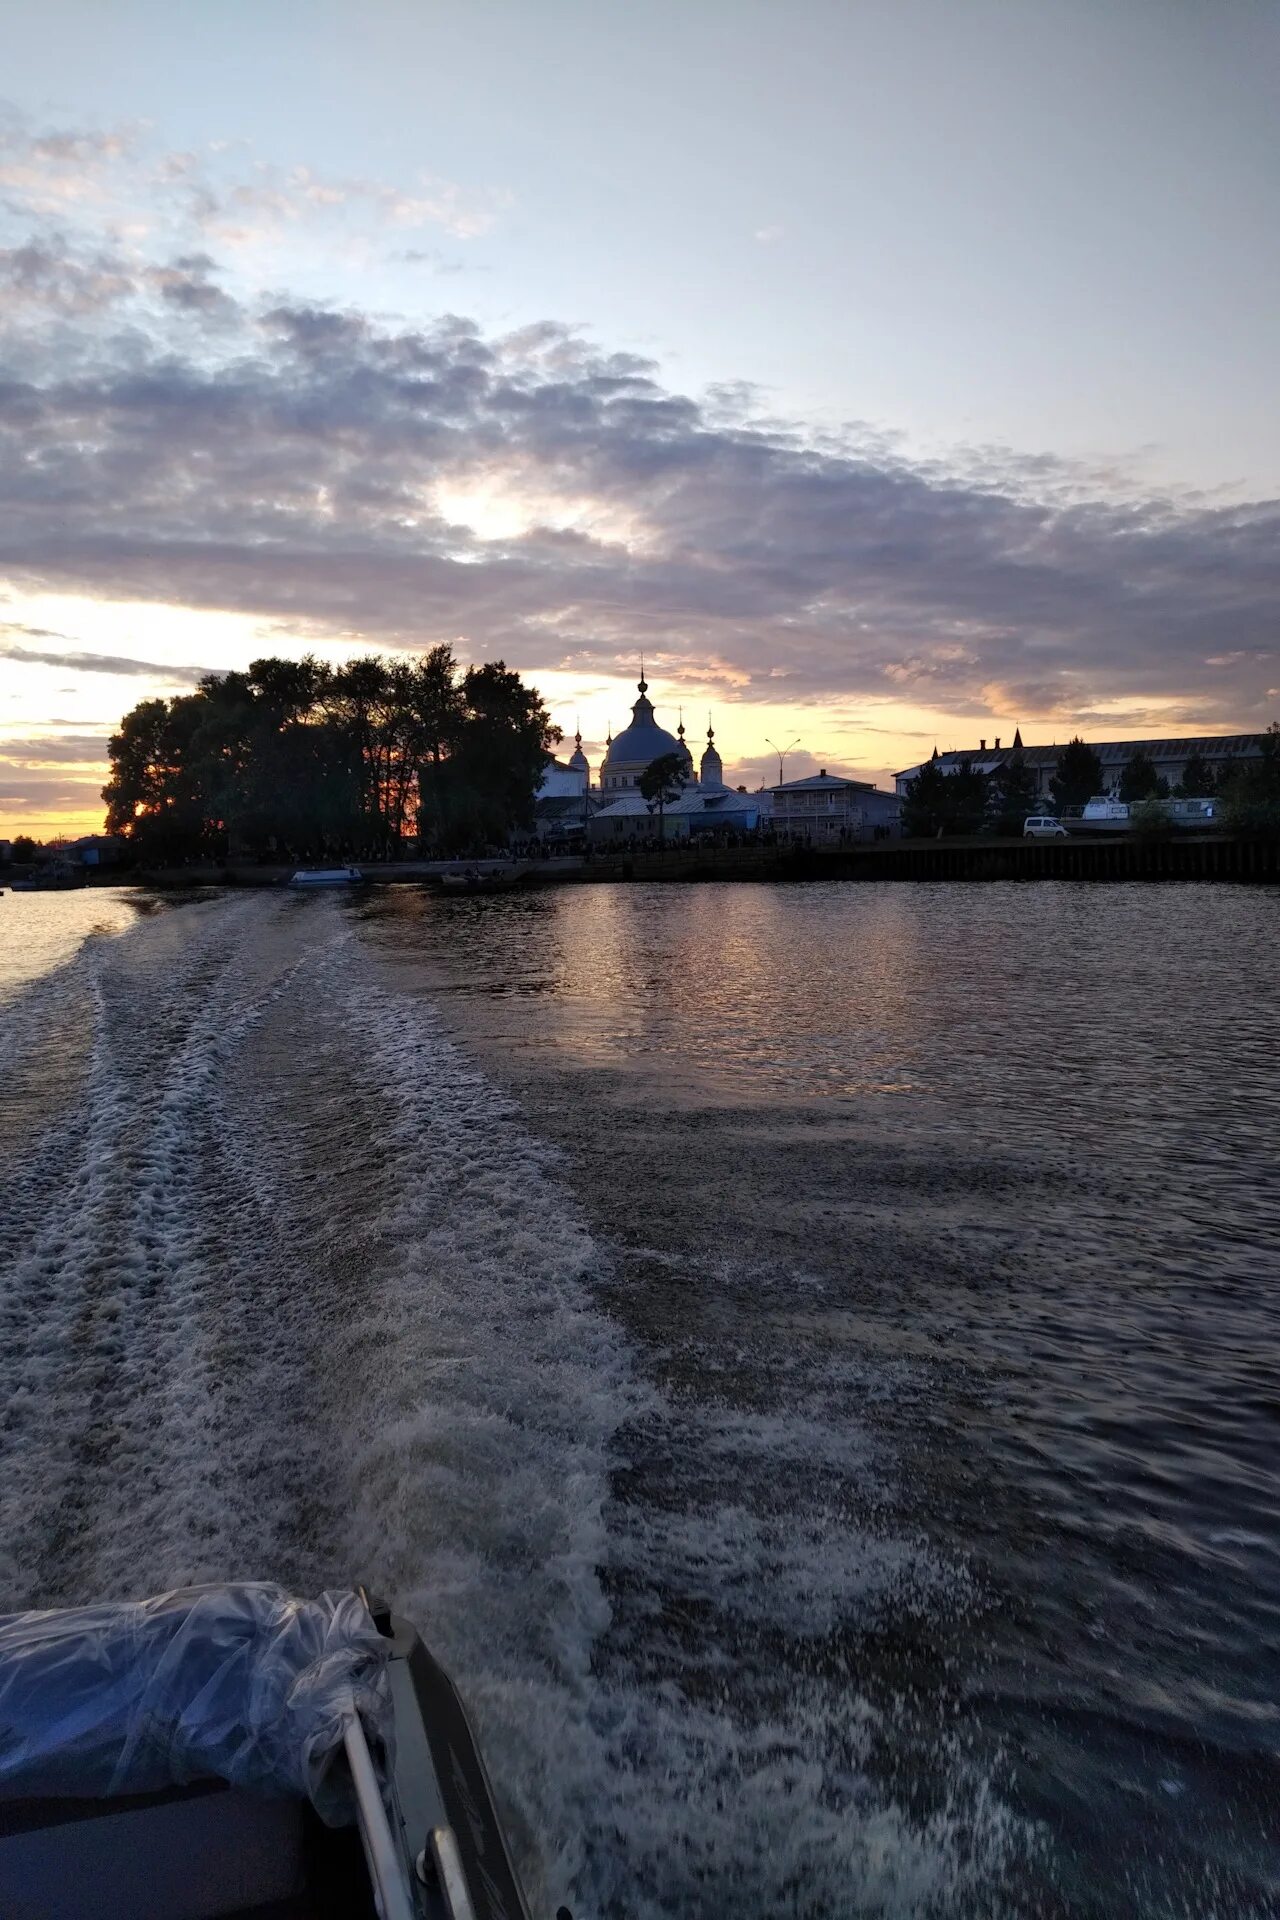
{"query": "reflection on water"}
{"type": "Point", "coordinates": [989, 1173]}
{"type": "Point", "coordinates": [39, 931]}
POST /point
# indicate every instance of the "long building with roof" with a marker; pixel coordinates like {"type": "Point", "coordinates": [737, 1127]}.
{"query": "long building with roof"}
{"type": "Point", "coordinates": [1223, 752]}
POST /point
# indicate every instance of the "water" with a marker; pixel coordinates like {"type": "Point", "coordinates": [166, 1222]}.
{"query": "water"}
{"type": "Point", "coordinates": [806, 1356]}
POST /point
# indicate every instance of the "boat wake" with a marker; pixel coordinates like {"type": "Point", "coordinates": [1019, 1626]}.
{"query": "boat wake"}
{"type": "Point", "coordinates": [291, 1290]}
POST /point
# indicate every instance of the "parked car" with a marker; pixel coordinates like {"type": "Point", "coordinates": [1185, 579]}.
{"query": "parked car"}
{"type": "Point", "coordinates": [1043, 826]}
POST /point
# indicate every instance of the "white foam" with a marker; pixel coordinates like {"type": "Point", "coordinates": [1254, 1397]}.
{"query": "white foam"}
{"type": "Point", "coordinates": [311, 1301]}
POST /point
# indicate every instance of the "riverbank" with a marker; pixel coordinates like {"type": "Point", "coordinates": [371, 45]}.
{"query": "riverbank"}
{"type": "Point", "coordinates": [1113, 858]}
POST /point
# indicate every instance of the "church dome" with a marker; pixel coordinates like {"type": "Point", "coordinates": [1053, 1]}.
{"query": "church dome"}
{"type": "Point", "coordinates": [642, 742]}
{"type": "Point", "coordinates": [578, 759]}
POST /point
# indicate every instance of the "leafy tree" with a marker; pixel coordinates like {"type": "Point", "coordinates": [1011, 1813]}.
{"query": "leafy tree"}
{"type": "Point", "coordinates": [1250, 798]}
{"type": "Point", "coordinates": [966, 793]}
{"type": "Point", "coordinates": [1077, 776]}
{"type": "Point", "coordinates": [936, 802]}
{"type": "Point", "coordinates": [1012, 793]}
{"type": "Point", "coordinates": [1140, 781]}
{"type": "Point", "coordinates": [304, 758]}
{"type": "Point", "coordinates": [1198, 781]}
{"type": "Point", "coordinates": [24, 849]}
{"type": "Point", "coordinates": [925, 803]}
{"type": "Point", "coordinates": [498, 757]}
{"type": "Point", "coordinates": [1148, 818]}
{"type": "Point", "coordinates": [661, 782]}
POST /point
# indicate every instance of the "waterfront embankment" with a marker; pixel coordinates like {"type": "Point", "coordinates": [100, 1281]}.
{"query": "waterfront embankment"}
{"type": "Point", "coordinates": [1117, 858]}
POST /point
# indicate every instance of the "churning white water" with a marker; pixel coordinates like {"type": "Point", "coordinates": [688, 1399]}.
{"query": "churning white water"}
{"type": "Point", "coordinates": [289, 1289]}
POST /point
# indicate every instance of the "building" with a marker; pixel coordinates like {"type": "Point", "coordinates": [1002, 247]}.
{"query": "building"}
{"type": "Point", "coordinates": [705, 806]}
{"type": "Point", "coordinates": [1223, 752]}
{"type": "Point", "coordinates": [616, 810]}
{"type": "Point", "coordinates": [94, 850]}
{"type": "Point", "coordinates": [638, 746]}
{"type": "Point", "coordinates": [826, 808]}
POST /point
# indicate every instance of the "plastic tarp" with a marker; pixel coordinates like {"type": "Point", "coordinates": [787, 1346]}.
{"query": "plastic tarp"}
{"type": "Point", "coordinates": [241, 1683]}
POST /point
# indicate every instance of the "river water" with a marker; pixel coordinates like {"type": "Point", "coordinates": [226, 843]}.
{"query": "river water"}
{"type": "Point", "coordinates": [805, 1356]}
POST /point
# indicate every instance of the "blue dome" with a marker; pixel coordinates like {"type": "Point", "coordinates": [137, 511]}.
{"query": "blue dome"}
{"type": "Point", "coordinates": [643, 741]}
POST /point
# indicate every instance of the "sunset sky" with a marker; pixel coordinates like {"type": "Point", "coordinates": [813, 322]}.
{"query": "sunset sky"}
{"type": "Point", "coordinates": [889, 371]}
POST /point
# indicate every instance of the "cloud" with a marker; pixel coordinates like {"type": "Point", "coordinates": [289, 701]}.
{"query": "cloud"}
{"type": "Point", "coordinates": [538, 496]}
{"type": "Point", "coordinates": [154, 670]}
{"type": "Point", "coordinates": [53, 749]}
{"type": "Point", "coordinates": [118, 181]}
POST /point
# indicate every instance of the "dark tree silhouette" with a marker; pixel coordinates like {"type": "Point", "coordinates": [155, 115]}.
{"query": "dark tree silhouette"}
{"type": "Point", "coordinates": [924, 803]}
{"type": "Point", "coordinates": [661, 782]}
{"type": "Point", "coordinates": [936, 802]}
{"type": "Point", "coordinates": [1140, 781]}
{"type": "Point", "coordinates": [24, 849]}
{"type": "Point", "coordinates": [1077, 776]}
{"type": "Point", "coordinates": [1250, 798]}
{"type": "Point", "coordinates": [300, 757]}
{"type": "Point", "coordinates": [1198, 781]}
{"type": "Point", "coordinates": [1012, 794]}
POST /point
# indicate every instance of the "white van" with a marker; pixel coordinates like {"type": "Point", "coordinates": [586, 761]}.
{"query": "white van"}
{"type": "Point", "coordinates": [1043, 826]}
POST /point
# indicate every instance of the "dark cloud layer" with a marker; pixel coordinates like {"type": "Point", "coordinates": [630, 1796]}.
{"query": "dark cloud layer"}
{"type": "Point", "coordinates": [317, 469]}
{"type": "Point", "coordinates": [69, 657]}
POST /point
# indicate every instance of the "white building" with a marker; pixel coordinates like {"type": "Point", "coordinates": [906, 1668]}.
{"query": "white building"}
{"type": "Point", "coordinates": [1223, 752]}
{"type": "Point", "coordinates": [826, 808]}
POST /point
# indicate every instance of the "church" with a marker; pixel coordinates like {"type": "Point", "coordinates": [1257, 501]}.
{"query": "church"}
{"type": "Point", "coordinates": [615, 809]}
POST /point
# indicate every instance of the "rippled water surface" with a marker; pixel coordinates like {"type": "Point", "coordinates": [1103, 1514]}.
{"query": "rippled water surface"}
{"type": "Point", "coordinates": [806, 1355]}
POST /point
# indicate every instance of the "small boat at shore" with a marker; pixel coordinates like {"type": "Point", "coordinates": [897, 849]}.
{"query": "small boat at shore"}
{"type": "Point", "coordinates": [50, 880]}
{"type": "Point", "coordinates": [482, 880]}
{"type": "Point", "coordinates": [326, 877]}
{"type": "Point", "coordinates": [233, 1753]}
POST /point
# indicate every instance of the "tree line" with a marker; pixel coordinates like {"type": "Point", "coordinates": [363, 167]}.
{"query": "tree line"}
{"type": "Point", "coordinates": [304, 759]}
{"type": "Point", "coordinates": [970, 801]}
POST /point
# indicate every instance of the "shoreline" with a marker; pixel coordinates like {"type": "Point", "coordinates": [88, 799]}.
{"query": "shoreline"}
{"type": "Point", "coordinates": [1200, 857]}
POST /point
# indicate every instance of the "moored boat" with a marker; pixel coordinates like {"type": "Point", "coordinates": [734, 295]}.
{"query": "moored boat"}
{"type": "Point", "coordinates": [326, 877]}
{"type": "Point", "coordinates": [229, 1753]}
{"type": "Point", "coordinates": [482, 879]}
{"type": "Point", "coordinates": [50, 880]}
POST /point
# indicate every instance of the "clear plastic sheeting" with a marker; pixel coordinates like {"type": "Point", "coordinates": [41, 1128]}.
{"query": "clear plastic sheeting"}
{"type": "Point", "coordinates": [240, 1683]}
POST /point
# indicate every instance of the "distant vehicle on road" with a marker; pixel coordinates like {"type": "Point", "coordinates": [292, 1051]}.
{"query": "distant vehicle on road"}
{"type": "Point", "coordinates": [1043, 826]}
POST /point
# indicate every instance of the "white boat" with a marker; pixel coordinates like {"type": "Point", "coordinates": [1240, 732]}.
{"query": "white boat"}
{"type": "Point", "coordinates": [231, 1753]}
{"type": "Point", "coordinates": [1100, 815]}
{"type": "Point", "coordinates": [326, 877]}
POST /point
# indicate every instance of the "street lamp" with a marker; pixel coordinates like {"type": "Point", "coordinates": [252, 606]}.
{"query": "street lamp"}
{"type": "Point", "coordinates": [781, 752]}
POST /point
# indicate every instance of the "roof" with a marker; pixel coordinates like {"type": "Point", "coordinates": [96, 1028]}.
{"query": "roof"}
{"type": "Point", "coordinates": [644, 741]}
{"type": "Point", "coordinates": [626, 805]}
{"type": "Point", "coordinates": [563, 806]}
{"type": "Point", "coordinates": [723, 800]}
{"type": "Point", "coordinates": [824, 783]}
{"type": "Point", "coordinates": [1211, 746]}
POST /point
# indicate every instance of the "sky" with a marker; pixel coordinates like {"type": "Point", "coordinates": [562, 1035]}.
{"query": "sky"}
{"type": "Point", "coordinates": [888, 372]}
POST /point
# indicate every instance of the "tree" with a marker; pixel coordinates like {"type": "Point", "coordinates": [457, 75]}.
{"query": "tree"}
{"type": "Point", "coordinates": [299, 757]}
{"type": "Point", "coordinates": [1249, 802]}
{"type": "Point", "coordinates": [966, 799]}
{"type": "Point", "coordinates": [924, 803]}
{"type": "Point", "coordinates": [1149, 819]}
{"type": "Point", "coordinates": [24, 849]}
{"type": "Point", "coordinates": [1012, 794]}
{"type": "Point", "coordinates": [497, 760]}
{"type": "Point", "coordinates": [1140, 781]}
{"type": "Point", "coordinates": [663, 781]}
{"type": "Point", "coordinates": [1077, 776]}
{"type": "Point", "coordinates": [1198, 781]}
